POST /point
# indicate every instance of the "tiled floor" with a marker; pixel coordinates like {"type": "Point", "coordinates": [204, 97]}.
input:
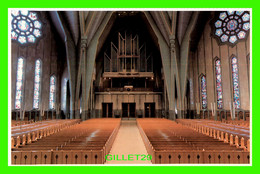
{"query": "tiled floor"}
{"type": "Point", "coordinates": [128, 141]}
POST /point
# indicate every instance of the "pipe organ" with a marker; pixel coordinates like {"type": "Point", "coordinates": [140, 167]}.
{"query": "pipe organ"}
{"type": "Point", "coordinates": [129, 78]}
{"type": "Point", "coordinates": [128, 55]}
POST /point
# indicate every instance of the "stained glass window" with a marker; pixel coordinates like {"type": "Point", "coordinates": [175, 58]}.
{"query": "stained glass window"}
{"type": "Point", "coordinates": [191, 92]}
{"type": "Point", "coordinates": [232, 26]}
{"type": "Point", "coordinates": [219, 84]}
{"type": "Point", "coordinates": [19, 83]}
{"type": "Point", "coordinates": [52, 92]}
{"type": "Point", "coordinates": [203, 92]}
{"type": "Point", "coordinates": [37, 84]}
{"type": "Point", "coordinates": [236, 95]}
{"type": "Point", "coordinates": [26, 27]}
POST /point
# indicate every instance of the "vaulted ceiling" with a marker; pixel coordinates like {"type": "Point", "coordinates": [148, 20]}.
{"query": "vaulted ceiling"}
{"type": "Point", "coordinates": [84, 24]}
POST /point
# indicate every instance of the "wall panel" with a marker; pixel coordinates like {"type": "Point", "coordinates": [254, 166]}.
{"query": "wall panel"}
{"type": "Point", "coordinates": [209, 49]}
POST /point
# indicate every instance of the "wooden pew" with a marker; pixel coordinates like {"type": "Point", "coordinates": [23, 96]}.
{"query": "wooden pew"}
{"type": "Point", "coordinates": [170, 142]}
{"type": "Point", "coordinates": [85, 143]}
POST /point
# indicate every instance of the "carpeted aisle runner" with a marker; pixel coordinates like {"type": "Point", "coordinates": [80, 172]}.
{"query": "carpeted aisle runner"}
{"type": "Point", "coordinates": [128, 145]}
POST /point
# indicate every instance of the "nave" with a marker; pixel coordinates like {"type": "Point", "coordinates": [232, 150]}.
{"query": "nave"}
{"type": "Point", "coordinates": [102, 87]}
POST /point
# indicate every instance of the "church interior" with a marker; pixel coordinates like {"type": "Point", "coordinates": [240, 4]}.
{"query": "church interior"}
{"type": "Point", "coordinates": [114, 87]}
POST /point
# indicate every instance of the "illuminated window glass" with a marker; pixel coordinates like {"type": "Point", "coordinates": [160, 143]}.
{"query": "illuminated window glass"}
{"type": "Point", "coordinates": [52, 92]}
{"type": "Point", "coordinates": [236, 95]}
{"type": "Point", "coordinates": [219, 84]}
{"type": "Point", "coordinates": [37, 84]}
{"type": "Point", "coordinates": [19, 83]}
{"type": "Point", "coordinates": [231, 26]}
{"type": "Point", "coordinates": [203, 92]}
{"type": "Point", "coordinates": [26, 27]}
{"type": "Point", "coordinates": [191, 92]}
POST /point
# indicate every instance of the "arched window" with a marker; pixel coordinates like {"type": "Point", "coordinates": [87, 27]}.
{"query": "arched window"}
{"type": "Point", "coordinates": [37, 84]}
{"type": "Point", "coordinates": [52, 92]}
{"type": "Point", "coordinates": [191, 92]}
{"type": "Point", "coordinates": [219, 84]}
{"type": "Point", "coordinates": [19, 83]}
{"type": "Point", "coordinates": [26, 27]}
{"type": "Point", "coordinates": [236, 94]}
{"type": "Point", "coordinates": [203, 92]}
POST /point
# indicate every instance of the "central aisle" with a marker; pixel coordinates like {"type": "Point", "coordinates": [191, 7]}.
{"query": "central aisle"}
{"type": "Point", "coordinates": [128, 141]}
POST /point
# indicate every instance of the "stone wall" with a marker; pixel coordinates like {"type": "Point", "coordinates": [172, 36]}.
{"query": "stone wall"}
{"type": "Point", "coordinates": [202, 62]}
{"type": "Point", "coordinates": [46, 49]}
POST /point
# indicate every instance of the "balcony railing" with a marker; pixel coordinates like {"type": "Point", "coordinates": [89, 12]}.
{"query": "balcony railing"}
{"type": "Point", "coordinates": [100, 89]}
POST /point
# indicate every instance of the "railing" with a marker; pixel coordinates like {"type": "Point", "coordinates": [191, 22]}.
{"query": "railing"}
{"type": "Point", "coordinates": [100, 89]}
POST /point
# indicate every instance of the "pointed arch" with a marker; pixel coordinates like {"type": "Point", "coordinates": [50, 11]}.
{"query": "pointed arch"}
{"type": "Point", "coordinates": [203, 91]}
{"type": "Point", "coordinates": [19, 82]}
{"type": "Point", "coordinates": [191, 92]}
{"type": "Point", "coordinates": [52, 95]}
{"type": "Point", "coordinates": [218, 82]}
{"type": "Point", "coordinates": [235, 81]}
{"type": "Point", "coordinates": [37, 84]}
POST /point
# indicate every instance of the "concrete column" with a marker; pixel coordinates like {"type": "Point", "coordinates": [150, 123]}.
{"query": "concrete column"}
{"type": "Point", "coordinates": [84, 92]}
{"type": "Point", "coordinates": [184, 56]}
{"type": "Point", "coordinates": [30, 115]}
{"type": "Point", "coordinates": [165, 57]}
{"type": "Point", "coordinates": [91, 98]}
{"type": "Point", "coordinates": [172, 114]}
{"type": "Point", "coordinates": [52, 114]}
{"type": "Point", "coordinates": [71, 61]}
{"type": "Point", "coordinates": [89, 64]}
{"type": "Point", "coordinates": [81, 76]}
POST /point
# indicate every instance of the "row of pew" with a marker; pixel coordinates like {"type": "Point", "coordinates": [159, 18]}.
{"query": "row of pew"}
{"type": "Point", "coordinates": [171, 143]}
{"type": "Point", "coordinates": [84, 143]}
{"type": "Point", "coordinates": [20, 122]}
{"type": "Point", "coordinates": [22, 134]}
{"type": "Point", "coordinates": [237, 122]}
{"type": "Point", "coordinates": [227, 132]}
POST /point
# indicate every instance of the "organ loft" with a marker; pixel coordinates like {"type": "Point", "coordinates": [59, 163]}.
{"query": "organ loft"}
{"type": "Point", "coordinates": [92, 87]}
{"type": "Point", "coordinates": [129, 85]}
